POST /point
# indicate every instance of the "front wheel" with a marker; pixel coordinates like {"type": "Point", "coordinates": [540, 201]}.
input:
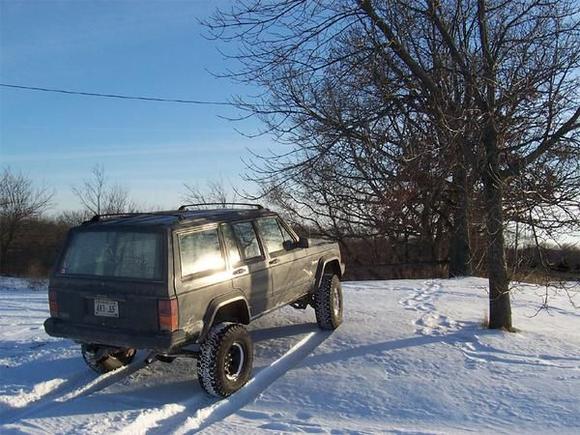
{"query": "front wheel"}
{"type": "Point", "coordinates": [225, 362]}
{"type": "Point", "coordinates": [104, 359]}
{"type": "Point", "coordinates": [328, 304]}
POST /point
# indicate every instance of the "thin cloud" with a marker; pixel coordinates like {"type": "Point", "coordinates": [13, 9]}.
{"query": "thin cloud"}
{"type": "Point", "coordinates": [119, 152]}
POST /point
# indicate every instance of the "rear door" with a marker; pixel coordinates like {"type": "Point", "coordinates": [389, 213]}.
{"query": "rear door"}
{"type": "Point", "coordinates": [250, 271]}
{"type": "Point", "coordinates": [201, 272]}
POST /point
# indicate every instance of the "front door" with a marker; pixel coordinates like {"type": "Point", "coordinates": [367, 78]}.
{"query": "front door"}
{"type": "Point", "coordinates": [248, 265]}
{"type": "Point", "coordinates": [284, 271]}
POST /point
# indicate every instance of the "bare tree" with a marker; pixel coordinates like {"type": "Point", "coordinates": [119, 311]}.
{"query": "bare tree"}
{"type": "Point", "coordinates": [496, 81]}
{"type": "Point", "coordinates": [359, 189]}
{"type": "Point", "coordinates": [71, 218]}
{"type": "Point", "coordinates": [548, 209]}
{"type": "Point", "coordinates": [97, 196]}
{"type": "Point", "coordinates": [19, 201]}
{"type": "Point", "coordinates": [332, 89]}
{"type": "Point", "coordinates": [214, 192]}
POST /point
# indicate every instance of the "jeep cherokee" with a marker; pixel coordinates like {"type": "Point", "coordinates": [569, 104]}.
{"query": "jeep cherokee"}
{"type": "Point", "coordinates": [185, 283]}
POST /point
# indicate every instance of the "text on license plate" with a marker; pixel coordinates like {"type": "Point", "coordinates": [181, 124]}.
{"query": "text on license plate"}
{"type": "Point", "coordinates": [106, 308]}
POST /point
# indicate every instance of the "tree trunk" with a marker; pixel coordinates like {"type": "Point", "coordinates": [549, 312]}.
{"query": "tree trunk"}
{"type": "Point", "coordinates": [3, 258]}
{"type": "Point", "coordinates": [9, 229]}
{"type": "Point", "coordinates": [459, 245]}
{"type": "Point", "coordinates": [500, 313]}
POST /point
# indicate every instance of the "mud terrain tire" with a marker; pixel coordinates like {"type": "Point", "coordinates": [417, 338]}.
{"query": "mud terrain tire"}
{"type": "Point", "coordinates": [328, 304]}
{"type": "Point", "coordinates": [225, 362]}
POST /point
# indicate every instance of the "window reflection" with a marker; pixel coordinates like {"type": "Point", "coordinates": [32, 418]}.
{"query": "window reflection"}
{"type": "Point", "coordinates": [231, 245]}
{"type": "Point", "coordinates": [247, 239]}
{"type": "Point", "coordinates": [117, 254]}
{"type": "Point", "coordinates": [272, 234]}
{"type": "Point", "coordinates": [200, 252]}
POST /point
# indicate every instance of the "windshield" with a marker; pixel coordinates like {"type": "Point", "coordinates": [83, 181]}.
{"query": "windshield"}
{"type": "Point", "coordinates": [118, 254]}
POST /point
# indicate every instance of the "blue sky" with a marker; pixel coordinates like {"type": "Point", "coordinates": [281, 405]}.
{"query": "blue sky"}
{"type": "Point", "coordinates": [148, 48]}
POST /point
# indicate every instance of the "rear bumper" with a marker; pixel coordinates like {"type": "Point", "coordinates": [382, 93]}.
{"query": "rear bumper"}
{"type": "Point", "coordinates": [163, 342]}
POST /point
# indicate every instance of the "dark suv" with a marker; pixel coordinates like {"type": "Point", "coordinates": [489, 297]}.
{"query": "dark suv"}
{"type": "Point", "coordinates": [185, 282]}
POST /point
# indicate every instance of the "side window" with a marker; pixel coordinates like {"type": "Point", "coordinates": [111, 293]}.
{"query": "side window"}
{"type": "Point", "coordinates": [285, 233]}
{"type": "Point", "coordinates": [247, 240]}
{"type": "Point", "coordinates": [271, 234]}
{"type": "Point", "coordinates": [200, 252]}
{"type": "Point", "coordinates": [231, 244]}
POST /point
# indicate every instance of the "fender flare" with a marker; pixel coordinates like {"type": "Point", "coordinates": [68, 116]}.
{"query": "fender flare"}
{"type": "Point", "coordinates": [322, 265]}
{"type": "Point", "coordinates": [216, 304]}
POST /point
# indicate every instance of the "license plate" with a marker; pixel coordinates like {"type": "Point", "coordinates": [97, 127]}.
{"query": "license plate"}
{"type": "Point", "coordinates": [106, 308]}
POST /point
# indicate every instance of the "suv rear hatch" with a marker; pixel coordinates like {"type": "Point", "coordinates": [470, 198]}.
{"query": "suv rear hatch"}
{"type": "Point", "coordinates": [110, 286]}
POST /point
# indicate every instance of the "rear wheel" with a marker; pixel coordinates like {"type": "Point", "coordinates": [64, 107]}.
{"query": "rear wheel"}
{"type": "Point", "coordinates": [328, 304]}
{"type": "Point", "coordinates": [104, 359]}
{"type": "Point", "coordinates": [225, 363]}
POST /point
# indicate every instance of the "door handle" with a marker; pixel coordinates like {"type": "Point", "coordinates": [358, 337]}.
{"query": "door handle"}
{"type": "Point", "coordinates": [274, 261]}
{"type": "Point", "coordinates": [239, 271]}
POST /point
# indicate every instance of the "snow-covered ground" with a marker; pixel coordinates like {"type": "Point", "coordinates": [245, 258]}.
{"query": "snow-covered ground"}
{"type": "Point", "coordinates": [411, 357]}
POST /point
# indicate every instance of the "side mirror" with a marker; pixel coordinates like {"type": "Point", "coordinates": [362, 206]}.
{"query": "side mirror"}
{"type": "Point", "coordinates": [288, 245]}
{"type": "Point", "coordinates": [303, 242]}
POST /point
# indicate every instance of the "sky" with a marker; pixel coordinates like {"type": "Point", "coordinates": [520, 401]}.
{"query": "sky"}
{"type": "Point", "coordinates": [144, 48]}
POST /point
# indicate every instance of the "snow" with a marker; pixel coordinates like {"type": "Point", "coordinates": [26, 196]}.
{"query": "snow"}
{"type": "Point", "coordinates": [23, 398]}
{"type": "Point", "coordinates": [412, 356]}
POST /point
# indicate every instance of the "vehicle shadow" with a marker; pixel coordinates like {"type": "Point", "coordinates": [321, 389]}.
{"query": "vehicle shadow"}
{"type": "Point", "coordinates": [465, 333]}
{"type": "Point", "coordinates": [372, 349]}
{"type": "Point", "coordinates": [283, 331]}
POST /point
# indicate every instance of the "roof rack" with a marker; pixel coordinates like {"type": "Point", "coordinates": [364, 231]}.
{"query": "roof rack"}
{"type": "Point", "coordinates": [184, 207]}
{"type": "Point", "coordinates": [98, 217]}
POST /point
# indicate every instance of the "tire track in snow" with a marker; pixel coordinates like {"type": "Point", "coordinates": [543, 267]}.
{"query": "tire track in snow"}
{"type": "Point", "coordinates": [24, 398]}
{"type": "Point", "coordinates": [45, 395]}
{"type": "Point", "coordinates": [81, 384]}
{"type": "Point", "coordinates": [220, 409]}
{"type": "Point", "coordinates": [150, 419]}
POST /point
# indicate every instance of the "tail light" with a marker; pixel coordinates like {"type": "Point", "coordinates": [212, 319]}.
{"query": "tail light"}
{"type": "Point", "coordinates": [168, 314]}
{"type": "Point", "coordinates": [52, 303]}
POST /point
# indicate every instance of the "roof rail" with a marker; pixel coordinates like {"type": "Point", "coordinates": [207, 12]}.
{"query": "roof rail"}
{"type": "Point", "coordinates": [98, 217]}
{"type": "Point", "coordinates": [184, 207]}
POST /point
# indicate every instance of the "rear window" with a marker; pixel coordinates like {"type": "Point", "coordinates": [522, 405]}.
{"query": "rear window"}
{"type": "Point", "coordinates": [115, 254]}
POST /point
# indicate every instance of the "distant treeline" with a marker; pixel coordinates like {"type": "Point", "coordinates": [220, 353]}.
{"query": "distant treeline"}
{"type": "Point", "coordinates": [35, 248]}
{"type": "Point", "coordinates": [39, 240]}
{"type": "Point", "coordinates": [380, 258]}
